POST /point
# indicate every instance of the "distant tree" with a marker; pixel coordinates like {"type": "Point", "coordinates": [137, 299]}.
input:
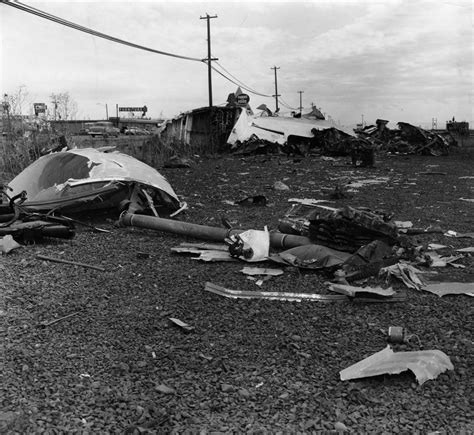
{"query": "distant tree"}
{"type": "Point", "coordinates": [17, 100]}
{"type": "Point", "coordinates": [63, 106]}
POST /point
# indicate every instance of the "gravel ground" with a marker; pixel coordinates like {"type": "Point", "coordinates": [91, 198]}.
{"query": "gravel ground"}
{"type": "Point", "coordinates": [120, 366]}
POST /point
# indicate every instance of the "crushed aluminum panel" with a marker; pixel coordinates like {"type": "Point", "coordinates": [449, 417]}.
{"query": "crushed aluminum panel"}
{"type": "Point", "coordinates": [87, 174]}
{"type": "Point", "coordinates": [279, 296]}
{"type": "Point", "coordinates": [426, 364]}
{"type": "Point", "coordinates": [450, 288]}
{"type": "Point", "coordinates": [352, 291]}
{"type": "Point", "coordinates": [277, 128]}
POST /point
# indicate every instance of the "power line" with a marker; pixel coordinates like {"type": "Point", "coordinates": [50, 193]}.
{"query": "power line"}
{"type": "Point", "coordinates": [84, 29]}
{"type": "Point", "coordinates": [242, 84]}
{"type": "Point", "coordinates": [285, 104]}
{"type": "Point", "coordinates": [238, 84]}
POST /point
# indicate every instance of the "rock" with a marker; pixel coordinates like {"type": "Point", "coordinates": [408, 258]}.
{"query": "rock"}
{"type": "Point", "coordinates": [164, 389]}
{"type": "Point", "coordinates": [226, 388]}
{"type": "Point", "coordinates": [280, 186]}
{"type": "Point", "coordinates": [340, 427]}
{"type": "Point", "coordinates": [244, 393]}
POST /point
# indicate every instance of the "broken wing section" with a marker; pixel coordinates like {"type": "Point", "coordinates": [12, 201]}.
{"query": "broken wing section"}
{"type": "Point", "coordinates": [86, 179]}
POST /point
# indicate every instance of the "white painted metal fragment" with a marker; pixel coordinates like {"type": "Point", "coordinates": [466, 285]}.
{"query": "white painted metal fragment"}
{"type": "Point", "coordinates": [425, 364]}
{"type": "Point", "coordinates": [451, 288]}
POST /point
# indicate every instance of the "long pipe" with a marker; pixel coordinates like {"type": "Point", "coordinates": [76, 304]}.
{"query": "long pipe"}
{"type": "Point", "coordinates": [277, 240]}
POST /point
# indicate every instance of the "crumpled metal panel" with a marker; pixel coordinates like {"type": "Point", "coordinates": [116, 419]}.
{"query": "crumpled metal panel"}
{"type": "Point", "coordinates": [277, 128]}
{"type": "Point", "coordinates": [84, 174]}
{"type": "Point", "coordinates": [425, 364]}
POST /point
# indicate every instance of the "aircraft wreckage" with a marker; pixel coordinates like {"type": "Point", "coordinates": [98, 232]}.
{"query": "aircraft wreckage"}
{"type": "Point", "coordinates": [89, 179]}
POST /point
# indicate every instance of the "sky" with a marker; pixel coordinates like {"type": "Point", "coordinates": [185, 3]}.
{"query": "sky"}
{"type": "Point", "coordinates": [400, 60]}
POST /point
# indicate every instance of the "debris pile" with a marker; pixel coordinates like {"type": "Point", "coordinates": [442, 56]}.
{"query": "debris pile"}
{"type": "Point", "coordinates": [408, 139]}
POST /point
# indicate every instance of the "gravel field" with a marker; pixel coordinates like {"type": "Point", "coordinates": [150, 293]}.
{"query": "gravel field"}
{"type": "Point", "coordinates": [249, 366]}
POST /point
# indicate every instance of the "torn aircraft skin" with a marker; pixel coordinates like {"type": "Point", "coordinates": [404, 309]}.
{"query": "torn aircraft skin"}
{"type": "Point", "coordinates": [278, 129]}
{"type": "Point", "coordinates": [89, 179]}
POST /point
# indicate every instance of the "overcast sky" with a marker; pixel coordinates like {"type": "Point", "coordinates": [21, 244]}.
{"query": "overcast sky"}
{"type": "Point", "coordinates": [398, 60]}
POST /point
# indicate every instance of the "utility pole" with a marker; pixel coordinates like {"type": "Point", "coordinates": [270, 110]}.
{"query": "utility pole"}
{"type": "Point", "coordinates": [276, 88]}
{"type": "Point", "coordinates": [209, 59]}
{"type": "Point", "coordinates": [362, 120]}
{"type": "Point", "coordinates": [301, 101]}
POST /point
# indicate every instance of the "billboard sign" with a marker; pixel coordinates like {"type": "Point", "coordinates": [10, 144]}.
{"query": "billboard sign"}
{"type": "Point", "coordinates": [133, 109]}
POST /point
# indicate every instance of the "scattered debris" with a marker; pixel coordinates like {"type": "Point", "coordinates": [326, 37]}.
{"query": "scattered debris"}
{"type": "Point", "coordinates": [349, 228]}
{"type": "Point", "coordinates": [279, 185]}
{"type": "Point", "coordinates": [307, 201]}
{"type": "Point", "coordinates": [261, 271]}
{"type": "Point", "coordinates": [435, 246]}
{"type": "Point", "coordinates": [8, 244]}
{"type": "Point", "coordinates": [74, 263]}
{"type": "Point", "coordinates": [439, 261]}
{"type": "Point", "coordinates": [353, 291]}
{"type": "Point", "coordinates": [405, 272]}
{"type": "Point", "coordinates": [176, 162]}
{"type": "Point", "coordinates": [403, 224]}
{"type": "Point", "coordinates": [311, 257]}
{"type": "Point", "coordinates": [88, 179]}
{"type": "Point", "coordinates": [277, 240]}
{"type": "Point", "coordinates": [468, 249]}
{"type": "Point", "coordinates": [426, 364]}
{"type": "Point", "coordinates": [46, 323]}
{"type": "Point", "coordinates": [396, 334]}
{"type": "Point", "coordinates": [451, 233]}
{"type": "Point", "coordinates": [251, 245]}
{"type": "Point", "coordinates": [184, 326]}
{"type": "Point", "coordinates": [257, 200]}
{"type": "Point", "coordinates": [450, 288]}
{"type": "Point", "coordinates": [280, 296]}
{"type": "Point", "coordinates": [205, 252]}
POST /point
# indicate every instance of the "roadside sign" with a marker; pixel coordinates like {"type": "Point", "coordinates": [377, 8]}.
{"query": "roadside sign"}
{"type": "Point", "coordinates": [242, 99]}
{"type": "Point", "coordinates": [39, 108]}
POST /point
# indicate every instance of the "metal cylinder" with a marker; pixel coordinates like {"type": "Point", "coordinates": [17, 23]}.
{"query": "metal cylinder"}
{"type": "Point", "coordinates": [277, 240]}
{"type": "Point", "coordinates": [396, 334]}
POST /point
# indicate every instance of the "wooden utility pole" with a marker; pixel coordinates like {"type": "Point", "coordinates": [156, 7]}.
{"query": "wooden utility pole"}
{"type": "Point", "coordinates": [209, 59]}
{"type": "Point", "coordinates": [301, 101]}
{"type": "Point", "coordinates": [276, 88]}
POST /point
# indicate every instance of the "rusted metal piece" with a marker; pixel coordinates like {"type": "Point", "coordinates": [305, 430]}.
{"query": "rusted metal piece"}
{"type": "Point", "coordinates": [277, 240]}
{"type": "Point", "coordinates": [75, 263]}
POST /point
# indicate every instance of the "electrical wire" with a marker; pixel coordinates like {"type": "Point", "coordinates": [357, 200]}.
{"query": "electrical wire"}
{"type": "Point", "coordinates": [241, 82]}
{"type": "Point", "coordinates": [47, 16]}
{"type": "Point", "coordinates": [58, 20]}
{"type": "Point", "coordinates": [236, 83]}
{"type": "Point", "coordinates": [285, 104]}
